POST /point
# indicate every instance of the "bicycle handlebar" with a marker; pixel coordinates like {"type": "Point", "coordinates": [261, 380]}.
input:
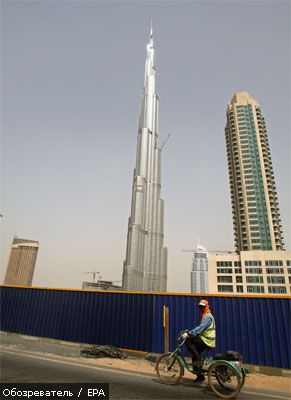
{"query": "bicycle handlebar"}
{"type": "Point", "coordinates": [181, 341]}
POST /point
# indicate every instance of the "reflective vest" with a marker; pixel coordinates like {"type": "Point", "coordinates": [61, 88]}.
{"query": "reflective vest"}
{"type": "Point", "coordinates": [208, 335]}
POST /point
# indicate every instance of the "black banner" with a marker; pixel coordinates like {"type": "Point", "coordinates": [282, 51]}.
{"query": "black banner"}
{"type": "Point", "coordinates": [88, 391]}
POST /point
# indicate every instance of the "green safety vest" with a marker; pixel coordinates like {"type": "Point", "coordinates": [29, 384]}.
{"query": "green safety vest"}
{"type": "Point", "coordinates": [208, 335]}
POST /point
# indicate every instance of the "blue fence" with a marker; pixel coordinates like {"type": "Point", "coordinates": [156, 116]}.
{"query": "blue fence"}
{"type": "Point", "coordinates": [258, 327]}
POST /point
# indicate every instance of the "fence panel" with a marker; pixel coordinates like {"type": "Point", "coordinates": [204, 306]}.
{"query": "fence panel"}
{"type": "Point", "coordinates": [258, 327]}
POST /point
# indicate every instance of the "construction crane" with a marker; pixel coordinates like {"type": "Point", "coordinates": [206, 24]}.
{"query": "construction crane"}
{"type": "Point", "coordinates": [165, 141]}
{"type": "Point", "coordinates": [94, 273]}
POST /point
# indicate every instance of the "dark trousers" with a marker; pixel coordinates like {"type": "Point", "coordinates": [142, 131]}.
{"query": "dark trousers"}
{"type": "Point", "coordinates": [195, 346]}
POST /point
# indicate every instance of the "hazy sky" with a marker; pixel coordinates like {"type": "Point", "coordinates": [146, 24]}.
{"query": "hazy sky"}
{"type": "Point", "coordinates": [72, 72]}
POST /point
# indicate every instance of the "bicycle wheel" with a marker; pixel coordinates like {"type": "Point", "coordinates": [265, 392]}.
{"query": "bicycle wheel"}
{"type": "Point", "coordinates": [224, 380]}
{"type": "Point", "coordinates": [243, 377]}
{"type": "Point", "coordinates": [169, 369]}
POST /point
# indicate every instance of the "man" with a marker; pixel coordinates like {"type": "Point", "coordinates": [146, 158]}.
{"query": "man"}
{"type": "Point", "coordinates": [201, 338]}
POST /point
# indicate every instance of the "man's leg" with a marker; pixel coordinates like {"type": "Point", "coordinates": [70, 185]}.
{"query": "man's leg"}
{"type": "Point", "coordinates": [191, 344]}
{"type": "Point", "coordinates": [196, 345]}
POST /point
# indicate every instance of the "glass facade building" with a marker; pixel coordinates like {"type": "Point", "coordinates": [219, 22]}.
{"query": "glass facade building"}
{"type": "Point", "coordinates": [255, 209]}
{"type": "Point", "coordinates": [145, 266]}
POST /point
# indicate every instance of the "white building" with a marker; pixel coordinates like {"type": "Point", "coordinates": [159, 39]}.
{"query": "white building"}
{"type": "Point", "coordinates": [250, 272]}
{"type": "Point", "coordinates": [199, 273]}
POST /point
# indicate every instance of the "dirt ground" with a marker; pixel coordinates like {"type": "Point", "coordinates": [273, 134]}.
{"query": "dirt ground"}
{"type": "Point", "coordinates": [132, 363]}
{"type": "Point", "coordinates": [253, 380]}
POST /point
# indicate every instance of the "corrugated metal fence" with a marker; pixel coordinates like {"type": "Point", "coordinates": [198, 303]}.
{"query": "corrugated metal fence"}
{"type": "Point", "coordinates": [258, 327]}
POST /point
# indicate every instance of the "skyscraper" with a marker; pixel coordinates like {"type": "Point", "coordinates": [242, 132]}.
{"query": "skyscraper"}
{"type": "Point", "coordinates": [21, 262]}
{"type": "Point", "coordinates": [255, 209]}
{"type": "Point", "coordinates": [145, 266]}
{"type": "Point", "coordinates": [199, 273]}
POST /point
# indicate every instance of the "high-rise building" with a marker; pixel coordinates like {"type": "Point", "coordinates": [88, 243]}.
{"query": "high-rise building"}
{"type": "Point", "coordinates": [255, 209]}
{"type": "Point", "coordinates": [145, 266]}
{"type": "Point", "coordinates": [199, 273]}
{"type": "Point", "coordinates": [21, 262]}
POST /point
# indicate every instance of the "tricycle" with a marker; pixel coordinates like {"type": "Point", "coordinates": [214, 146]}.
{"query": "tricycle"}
{"type": "Point", "coordinates": [225, 377]}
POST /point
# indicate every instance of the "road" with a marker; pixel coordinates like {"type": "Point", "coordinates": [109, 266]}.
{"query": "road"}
{"type": "Point", "coordinates": [27, 367]}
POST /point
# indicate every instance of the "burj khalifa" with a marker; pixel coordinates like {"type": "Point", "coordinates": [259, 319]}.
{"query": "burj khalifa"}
{"type": "Point", "coordinates": [145, 266]}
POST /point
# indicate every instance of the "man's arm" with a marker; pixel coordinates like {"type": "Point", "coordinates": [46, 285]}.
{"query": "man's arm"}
{"type": "Point", "coordinates": [205, 323]}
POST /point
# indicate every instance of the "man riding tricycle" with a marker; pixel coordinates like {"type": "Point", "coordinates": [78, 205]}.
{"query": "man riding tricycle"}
{"type": "Point", "coordinates": [225, 372]}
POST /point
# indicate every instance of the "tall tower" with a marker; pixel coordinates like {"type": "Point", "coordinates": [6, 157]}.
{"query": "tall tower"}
{"type": "Point", "coordinates": [145, 266]}
{"type": "Point", "coordinates": [199, 273]}
{"type": "Point", "coordinates": [255, 209]}
{"type": "Point", "coordinates": [21, 262]}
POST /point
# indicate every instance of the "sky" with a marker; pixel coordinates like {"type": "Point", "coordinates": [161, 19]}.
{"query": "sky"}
{"type": "Point", "coordinates": [71, 80]}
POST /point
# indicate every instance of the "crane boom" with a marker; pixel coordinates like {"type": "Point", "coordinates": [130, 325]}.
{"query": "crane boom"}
{"type": "Point", "coordinates": [94, 273]}
{"type": "Point", "coordinates": [165, 141]}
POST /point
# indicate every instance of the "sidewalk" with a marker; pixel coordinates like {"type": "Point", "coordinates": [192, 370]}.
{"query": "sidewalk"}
{"type": "Point", "coordinates": [134, 362]}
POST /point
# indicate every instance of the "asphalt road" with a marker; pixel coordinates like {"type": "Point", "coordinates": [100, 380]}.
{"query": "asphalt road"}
{"type": "Point", "coordinates": [28, 367]}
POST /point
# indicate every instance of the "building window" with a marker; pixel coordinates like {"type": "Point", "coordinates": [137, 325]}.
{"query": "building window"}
{"type": "Point", "coordinates": [224, 270]}
{"type": "Point", "coordinates": [238, 279]}
{"type": "Point", "coordinates": [275, 270]}
{"type": "Point", "coordinates": [239, 289]}
{"type": "Point", "coordinates": [253, 215]}
{"type": "Point", "coordinates": [253, 263]}
{"type": "Point", "coordinates": [276, 279]}
{"type": "Point", "coordinates": [274, 263]}
{"type": "Point", "coordinates": [237, 264]}
{"type": "Point", "coordinates": [255, 234]}
{"type": "Point", "coordinates": [253, 270]}
{"type": "Point", "coordinates": [224, 263]}
{"type": "Point", "coordinates": [255, 289]}
{"type": "Point", "coordinates": [289, 270]}
{"type": "Point", "coordinates": [225, 288]}
{"type": "Point", "coordinates": [237, 270]}
{"type": "Point", "coordinates": [277, 289]}
{"type": "Point", "coordinates": [254, 279]}
{"type": "Point", "coordinates": [224, 279]}
{"type": "Point", "coordinates": [288, 263]}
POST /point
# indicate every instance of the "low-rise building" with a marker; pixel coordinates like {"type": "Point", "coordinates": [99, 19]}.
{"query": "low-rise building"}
{"type": "Point", "coordinates": [250, 272]}
{"type": "Point", "coordinates": [100, 285]}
